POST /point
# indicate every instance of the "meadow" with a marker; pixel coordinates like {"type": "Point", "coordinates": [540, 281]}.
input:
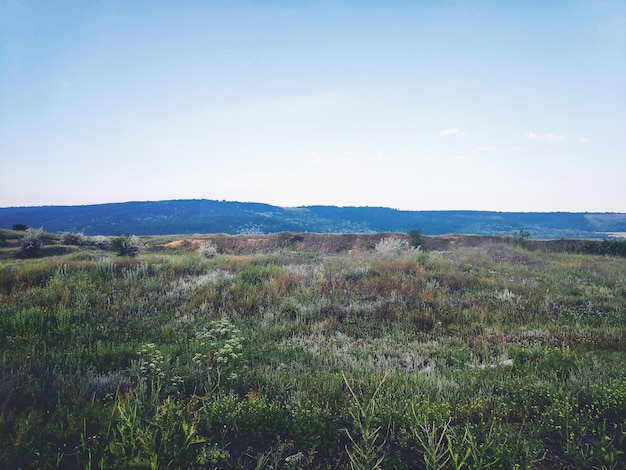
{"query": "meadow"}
{"type": "Point", "coordinates": [497, 356]}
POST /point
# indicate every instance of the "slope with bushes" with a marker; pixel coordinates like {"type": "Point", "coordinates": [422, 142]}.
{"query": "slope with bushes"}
{"type": "Point", "coordinates": [496, 355]}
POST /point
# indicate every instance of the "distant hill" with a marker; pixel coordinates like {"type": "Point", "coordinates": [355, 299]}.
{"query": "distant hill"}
{"type": "Point", "coordinates": [209, 216]}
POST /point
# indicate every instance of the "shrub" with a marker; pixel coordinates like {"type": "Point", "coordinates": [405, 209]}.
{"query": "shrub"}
{"type": "Point", "coordinates": [20, 227]}
{"type": "Point", "coordinates": [390, 247]}
{"type": "Point", "coordinates": [207, 249]}
{"type": "Point", "coordinates": [221, 351]}
{"type": "Point", "coordinates": [417, 240]}
{"type": "Point", "coordinates": [100, 241]}
{"type": "Point", "coordinates": [521, 235]}
{"type": "Point", "coordinates": [127, 245]}
{"type": "Point", "coordinates": [68, 238]}
{"type": "Point", "coordinates": [31, 243]}
{"type": "Point", "coordinates": [606, 247]}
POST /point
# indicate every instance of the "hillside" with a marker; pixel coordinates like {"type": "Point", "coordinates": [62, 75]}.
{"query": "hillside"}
{"type": "Point", "coordinates": [298, 350]}
{"type": "Point", "coordinates": [208, 216]}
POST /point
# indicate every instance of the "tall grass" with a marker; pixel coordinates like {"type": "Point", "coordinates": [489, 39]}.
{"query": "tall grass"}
{"type": "Point", "coordinates": [483, 357]}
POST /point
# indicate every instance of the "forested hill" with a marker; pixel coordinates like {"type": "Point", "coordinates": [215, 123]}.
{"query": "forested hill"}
{"type": "Point", "coordinates": [208, 216]}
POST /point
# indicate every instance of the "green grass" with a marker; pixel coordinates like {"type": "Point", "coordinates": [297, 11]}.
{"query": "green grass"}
{"type": "Point", "coordinates": [479, 357]}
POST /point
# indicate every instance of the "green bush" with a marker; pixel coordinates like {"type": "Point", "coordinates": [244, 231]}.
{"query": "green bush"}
{"type": "Point", "coordinates": [521, 235]}
{"type": "Point", "coordinates": [127, 245]}
{"type": "Point", "coordinates": [417, 239]}
{"type": "Point", "coordinates": [606, 247]}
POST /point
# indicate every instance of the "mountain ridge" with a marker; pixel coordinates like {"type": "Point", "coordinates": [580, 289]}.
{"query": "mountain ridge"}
{"type": "Point", "coordinates": [187, 216]}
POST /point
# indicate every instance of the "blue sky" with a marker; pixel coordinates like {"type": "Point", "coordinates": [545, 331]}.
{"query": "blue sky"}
{"type": "Point", "coordinates": [419, 105]}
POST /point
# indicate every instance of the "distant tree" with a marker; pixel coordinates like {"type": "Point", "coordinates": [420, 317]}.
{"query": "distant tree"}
{"type": "Point", "coordinates": [417, 238]}
{"type": "Point", "coordinates": [521, 235]}
{"type": "Point", "coordinates": [30, 243]}
{"type": "Point", "coordinates": [20, 227]}
{"type": "Point", "coordinates": [128, 246]}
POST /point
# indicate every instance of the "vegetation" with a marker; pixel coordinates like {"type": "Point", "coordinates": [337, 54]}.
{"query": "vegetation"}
{"type": "Point", "coordinates": [127, 245]}
{"type": "Point", "coordinates": [206, 216]}
{"type": "Point", "coordinates": [607, 247]}
{"type": "Point", "coordinates": [207, 249]}
{"type": "Point", "coordinates": [30, 243]}
{"type": "Point", "coordinates": [69, 238]}
{"type": "Point", "coordinates": [494, 356]}
{"type": "Point", "coordinates": [417, 239]}
{"type": "Point", "coordinates": [394, 247]}
{"type": "Point", "coordinates": [522, 235]}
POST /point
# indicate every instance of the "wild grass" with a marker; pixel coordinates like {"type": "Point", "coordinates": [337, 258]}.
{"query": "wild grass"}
{"type": "Point", "coordinates": [479, 357]}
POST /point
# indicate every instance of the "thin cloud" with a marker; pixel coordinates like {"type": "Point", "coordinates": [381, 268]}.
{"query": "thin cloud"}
{"type": "Point", "coordinates": [550, 136]}
{"type": "Point", "coordinates": [451, 131]}
{"type": "Point", "coordinates": [584, 141]}
{"type": "Point", "coordinates": [554, 137]}
{"type": "Point", "coordinates": [531, 136]}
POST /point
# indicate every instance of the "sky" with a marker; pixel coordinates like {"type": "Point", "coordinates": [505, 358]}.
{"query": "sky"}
{"type": "Point", "coordinates": [413, 105]}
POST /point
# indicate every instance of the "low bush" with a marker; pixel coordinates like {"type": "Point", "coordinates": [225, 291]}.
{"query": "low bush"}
{"type": "Point", "coordinates": [99, 241]}
{"type": "Point", "coordinates": [69, 238]}
{"type": "Point", "coordinates": [606, 247]}
{"type": "Point", "coordinates": [207, 249]}
{"type": "Point", "coordinates": [127, 245]}
{"type": "Point", "coordinates": [394, 247]}
{"type": "Point", "coordinates": [30, 243]}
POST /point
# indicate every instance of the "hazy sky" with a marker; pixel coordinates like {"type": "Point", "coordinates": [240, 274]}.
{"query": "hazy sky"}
{"type": "Point", "coordinates": [486, 105]}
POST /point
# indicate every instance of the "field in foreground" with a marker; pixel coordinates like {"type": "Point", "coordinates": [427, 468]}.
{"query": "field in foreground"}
{"type": "Point", "coordinates": [488, 356]}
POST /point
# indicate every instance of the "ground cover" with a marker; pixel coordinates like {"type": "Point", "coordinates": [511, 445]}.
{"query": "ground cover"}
{"type": "Point", "coordinates": [499, 355]}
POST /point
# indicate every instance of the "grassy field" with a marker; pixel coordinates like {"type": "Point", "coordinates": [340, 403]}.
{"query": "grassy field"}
{"type": "Point", "coordinates": [492, 356]}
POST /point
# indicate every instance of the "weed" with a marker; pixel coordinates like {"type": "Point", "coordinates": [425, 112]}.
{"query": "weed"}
{"type": "Point", "coordinates": [367, 448]}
